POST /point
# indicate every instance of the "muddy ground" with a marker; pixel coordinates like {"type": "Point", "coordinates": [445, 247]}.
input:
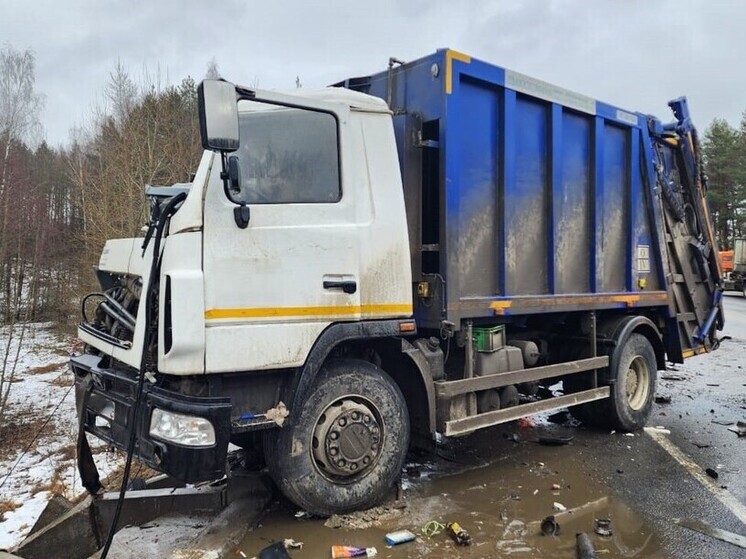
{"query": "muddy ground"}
{"type": "Point", "coordinates": [499, 490]}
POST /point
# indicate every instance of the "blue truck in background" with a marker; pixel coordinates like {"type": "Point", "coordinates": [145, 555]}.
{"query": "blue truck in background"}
{"type": "Point", "coordinates": [462, 237]}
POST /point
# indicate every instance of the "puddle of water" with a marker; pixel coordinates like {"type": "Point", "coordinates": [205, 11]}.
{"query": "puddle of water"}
{"type": "Point", "coordinates": [501, 505]}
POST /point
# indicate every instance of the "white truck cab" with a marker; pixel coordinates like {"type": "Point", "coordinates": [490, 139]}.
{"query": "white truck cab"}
{"type": "Point", "coordinates": [300, 226]}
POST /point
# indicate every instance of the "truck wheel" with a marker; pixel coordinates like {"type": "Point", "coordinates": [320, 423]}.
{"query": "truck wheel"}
{"type": "Point", "coordinates": [633, 392]}
{"type": "Point", "coordinates": [349, 443]}
{"type": "Point", "coordinates": [632, 389]}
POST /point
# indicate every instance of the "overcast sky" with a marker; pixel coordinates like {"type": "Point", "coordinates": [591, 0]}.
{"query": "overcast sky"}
{"type": "Point", "coordinates": [637, 54]}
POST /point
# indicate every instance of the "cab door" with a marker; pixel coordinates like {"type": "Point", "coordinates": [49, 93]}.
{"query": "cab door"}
{"type": "Point", "coordinates": [273, 287]}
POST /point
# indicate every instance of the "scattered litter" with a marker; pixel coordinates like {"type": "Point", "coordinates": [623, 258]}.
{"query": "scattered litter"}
{"type": "Point", "coordinates": [275, 551]}
{"type": "Point", "coordinates": [555, 440]}
{"type": "Point", "coordinates": [672, 377]}
{"type": "Point", "coordinates": [400, 536]}
{"type": "Point", "coordinates": [278, 414]}
{"type": "Point", "coordinates": [717, 533]}
{"type": "Point", "coordinates": [458, 534]}
{"type": "Point", "coordinates": [526, 423]}
{"type": "Point", "coordinates": [550, 527]}
{"type": "Point", "coordinates": [722, 422]}
{"type": "Point", "coordinates": [560, 417]}
{"type": "Point", "coordinates": [290, 543]}
{"type": "Point", "coordinates": [345, 551]}
{"type": "Point", "coordinates": [712, 473]}
{"type": "Point", "coordinates": [619, 471]}
{"type": "Point", "coordinates": [739, 429]}
{"type": "Point", "coordinates": [303, 514]}
{"type": "Point", "coordinates": [432, 528]}
{"type": "Point", "coordinates": [603, 527]}
{"type": "Point", "coordinates": [556, 487]}
{"type": "Point", "coordinates": [712, 384]}
{"type": "Point", "coordinates": [661, 399]}
{"type": "Point", "coordinates": [242, 554]}
{"type": "Point", "coordinates": [515, 497]}
{"type": "Point", "coordinates": [503, 516]}
{"type": "Point", "coordinates": [515, 438]}
{"type": "Point", "coordinates": [585, 547]}
{"type": "Point", "coordinates": [701, 445]}
{"type": "Point", "coordinates": [559, 507]}
{"type": "Point", "coordinates": [536, 491]}
{"type": "Point", "coordinates": [629, 434]}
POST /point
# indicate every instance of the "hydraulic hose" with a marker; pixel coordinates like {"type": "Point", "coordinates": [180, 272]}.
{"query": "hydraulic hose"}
{"type": "Point", "coordinates": [147, 337]}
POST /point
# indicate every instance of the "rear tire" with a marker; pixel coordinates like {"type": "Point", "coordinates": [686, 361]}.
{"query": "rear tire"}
{"type": "Point", "coordinates": [348, 446]}
{"type": "Point", "coordinates": [633, 392]}
{"type": "Point", "coordinates": [632, 389]}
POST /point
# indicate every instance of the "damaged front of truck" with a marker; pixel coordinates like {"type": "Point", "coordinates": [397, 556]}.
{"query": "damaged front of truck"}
{"type": "Point", "coordinates": [122, 396]}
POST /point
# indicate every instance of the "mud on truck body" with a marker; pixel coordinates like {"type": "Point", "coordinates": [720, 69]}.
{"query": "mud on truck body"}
{"type": "Point", "coordinates": [355, 270]}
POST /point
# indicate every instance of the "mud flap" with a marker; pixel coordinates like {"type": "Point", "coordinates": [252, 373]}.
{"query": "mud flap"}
{"type": "Point", "coordinates": [86, 466]}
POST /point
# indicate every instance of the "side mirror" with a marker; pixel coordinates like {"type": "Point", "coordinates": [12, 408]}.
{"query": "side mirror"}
{"type": "Point", "coordinates": [218, 115]}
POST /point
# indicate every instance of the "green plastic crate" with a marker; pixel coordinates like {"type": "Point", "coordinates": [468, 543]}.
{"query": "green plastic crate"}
{"type": "Point", "coordinates": [489, 339]}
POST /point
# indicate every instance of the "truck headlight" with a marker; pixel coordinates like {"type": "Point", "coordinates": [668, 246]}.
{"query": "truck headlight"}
{"type": "Point", "coordinates": [187, 430]}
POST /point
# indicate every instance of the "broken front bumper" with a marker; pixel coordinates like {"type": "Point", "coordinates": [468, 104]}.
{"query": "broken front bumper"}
{"type": "Point", "coordinates": [105, 400]}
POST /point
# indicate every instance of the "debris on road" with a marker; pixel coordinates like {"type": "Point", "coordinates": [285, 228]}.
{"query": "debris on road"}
{"type": "Point", "coordinates": [585, 547]}
{"type": "Point", "coordinates": [555, 440]}
{"type": "Point", "coordinates": [603, 527]}
{"type": "Point", "coordinates": [346, 551]}
{"type": "Point", "coordinates": [550, 527]}
{"type": "Point", "coordinates": [275, 551]}
{"type": "Point", "coordinates": [723, 422]}
{"type": "Point", "coordinates": [701, 445]}
{"type": "Point", "coordinates": [739, 429]}
{"type": "Point", "coordinates": [712, 473]}
{"type": "Point", "coordinates": [399, 537]}
{"type": "Point", "coordinates": [662, 399]}
{"type": "Point", "coordinates": [559, 507]}
{"type": "Point", "coordinates": [290, 543]}
{"type": "Point", "coordinates": [433, 528]}
{"type": "Point", "coordinates": [303, 514]}
{"type": "Point", "coordinates": [365, 518]}
{"type": "Point", "coordinates": [672, 377]}
{"type": "Point", "coordinates": [458, 534]}
{"type": "Point", "coordinates": [707, 530]}
{"type": "Point", "coordinates": [556, 487]}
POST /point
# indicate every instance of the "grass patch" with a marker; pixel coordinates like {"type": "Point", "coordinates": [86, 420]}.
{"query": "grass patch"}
{"type": "Point", "coordinates": [7, 505]}
{"type": "Point", "coordinates": [18, 428]}
{"type": "Point", "coordinates": [44, 369]}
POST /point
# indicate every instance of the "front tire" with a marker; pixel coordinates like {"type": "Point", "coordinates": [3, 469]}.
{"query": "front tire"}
{"type": "Point", "coordinates": [348, 446]}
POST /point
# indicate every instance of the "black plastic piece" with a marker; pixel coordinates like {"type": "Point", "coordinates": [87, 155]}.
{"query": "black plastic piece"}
{"type": "Point", "coordinates": [242, 214]}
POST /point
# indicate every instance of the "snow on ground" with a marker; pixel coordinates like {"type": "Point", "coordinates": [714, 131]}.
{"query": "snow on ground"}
{"type": "Point", "coordinates": [42, 382]}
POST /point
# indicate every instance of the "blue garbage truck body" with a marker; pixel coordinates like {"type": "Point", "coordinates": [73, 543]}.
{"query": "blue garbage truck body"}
{"type": "Point", "coordinates": [525, 198]}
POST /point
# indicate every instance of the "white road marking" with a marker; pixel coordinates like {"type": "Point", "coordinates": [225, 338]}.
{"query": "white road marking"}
{"type": "Point", "coordinates": [722, 495]}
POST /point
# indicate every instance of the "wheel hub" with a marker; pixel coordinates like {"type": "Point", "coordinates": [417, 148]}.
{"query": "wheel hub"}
{"type": "Point", "coordinates": [637, 383]}
{"type": "Point", "coordinates": [346, 440]}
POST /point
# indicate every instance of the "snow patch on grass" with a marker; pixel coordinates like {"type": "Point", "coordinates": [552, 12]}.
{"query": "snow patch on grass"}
{"type": "Point", "coordinates": [42, 380]}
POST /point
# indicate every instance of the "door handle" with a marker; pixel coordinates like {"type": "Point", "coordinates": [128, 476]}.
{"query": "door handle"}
{"type": "Point", "coordinates": [348, 286]}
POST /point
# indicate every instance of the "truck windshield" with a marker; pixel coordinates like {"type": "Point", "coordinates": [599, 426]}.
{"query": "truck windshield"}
{"type": "Point", "coordinates": [287, 155]}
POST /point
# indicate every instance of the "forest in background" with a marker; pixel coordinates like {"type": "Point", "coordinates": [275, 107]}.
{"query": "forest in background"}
{"type": "Point", "coordinates": [59, 205]}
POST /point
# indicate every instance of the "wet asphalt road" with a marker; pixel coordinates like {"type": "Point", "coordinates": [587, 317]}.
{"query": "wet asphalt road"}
{"type": "Point", "coordinates": [499, 490]}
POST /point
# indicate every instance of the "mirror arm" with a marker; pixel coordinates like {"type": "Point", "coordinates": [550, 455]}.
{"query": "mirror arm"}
{"type": "Point", "coordinates": [242, 212]}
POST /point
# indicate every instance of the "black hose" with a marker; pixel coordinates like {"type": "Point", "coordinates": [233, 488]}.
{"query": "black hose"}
{"type": "Point", "coordinates": [162, 219]}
